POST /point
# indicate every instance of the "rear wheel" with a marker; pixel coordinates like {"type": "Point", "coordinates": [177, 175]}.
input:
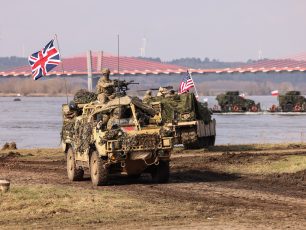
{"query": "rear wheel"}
{"type": "Point", "coordinates": [160, 173]}
{"type": "Point", "coordinates": [99, 172]}
{"type": "Point", "coordinates": [74, 173]}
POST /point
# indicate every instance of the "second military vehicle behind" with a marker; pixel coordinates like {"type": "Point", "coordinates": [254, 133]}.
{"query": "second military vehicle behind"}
{"type": "Point", "coordinates": [190, 121]}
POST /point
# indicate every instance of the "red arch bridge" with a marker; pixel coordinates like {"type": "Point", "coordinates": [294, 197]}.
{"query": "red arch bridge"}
{"type": "Point", "coordinates": [90, 65]}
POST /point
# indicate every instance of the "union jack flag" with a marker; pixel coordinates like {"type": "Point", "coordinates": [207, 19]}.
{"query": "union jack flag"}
{"type": "Point", "coordinates": [186, 84]}
{"type": "Point", "coordinates": [44, 60]}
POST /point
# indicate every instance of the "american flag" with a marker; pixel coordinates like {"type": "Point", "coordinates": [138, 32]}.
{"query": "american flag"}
{"type": "Point", "coordinates": [44, 60]}
{"type": "Point", "coordinates": [186, 84]}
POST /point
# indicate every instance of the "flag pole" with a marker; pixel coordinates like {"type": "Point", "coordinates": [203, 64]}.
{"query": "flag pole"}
{"type": "Point", "coordinates": [62, 65]}
{"type": "Point", "coordinates": [195, 89]}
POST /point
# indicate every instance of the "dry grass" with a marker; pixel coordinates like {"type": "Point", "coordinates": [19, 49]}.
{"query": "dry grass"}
{"type": "Point", "coordinates": [265, 165]}
{"type": "Point", "coordinates": [257, 147]}
{"type": "Point", "coordinates": [60, 206]}
{"type": "Point", "coordinates": [39, 153]}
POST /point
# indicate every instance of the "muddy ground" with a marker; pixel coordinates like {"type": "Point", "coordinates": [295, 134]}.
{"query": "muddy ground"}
{"type": "Point", "coordinates": [229, 187]}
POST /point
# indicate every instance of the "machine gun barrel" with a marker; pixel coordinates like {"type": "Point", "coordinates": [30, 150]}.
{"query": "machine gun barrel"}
{"type": "Point", "coordinates": [154, 89]}
{"type": "Point", "coordinates": [119, 83]}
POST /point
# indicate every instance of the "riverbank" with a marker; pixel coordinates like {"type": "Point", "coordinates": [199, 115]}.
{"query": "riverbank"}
{"type": "Point", "coordinates": [35, 95]}
{"type": "Point", "coordinates": [229, 186]}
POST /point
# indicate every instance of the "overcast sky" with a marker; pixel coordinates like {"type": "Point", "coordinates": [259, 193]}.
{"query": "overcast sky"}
{"type": "Point", "coordinates": [227, 30]}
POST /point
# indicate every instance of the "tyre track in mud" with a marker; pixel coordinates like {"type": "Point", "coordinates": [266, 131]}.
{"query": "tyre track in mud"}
{"type": "Point", "coordinates": [193, 182]}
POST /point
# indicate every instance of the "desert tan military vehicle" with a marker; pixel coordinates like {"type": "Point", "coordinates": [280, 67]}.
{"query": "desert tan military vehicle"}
{"type": "Point", "coordinates": [190, 121]}
{"type": "Point", "coordinates": [119, 137]}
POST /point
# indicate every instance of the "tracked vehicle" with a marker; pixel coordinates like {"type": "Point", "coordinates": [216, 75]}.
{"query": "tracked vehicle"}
{"type": "Point", "coordinates": [231, 101]}
{"type": "Point", "coordinates": [121, 137]}
{"type": "Point", "coordinates": [189, 120]}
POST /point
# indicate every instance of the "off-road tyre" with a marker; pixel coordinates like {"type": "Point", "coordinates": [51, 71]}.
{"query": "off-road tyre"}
{"type": "Point", "coordinates": [161, 172]}
{"type": "Point", "coordinates": [74, 173]}
{"type": "Point", "coordinates": [99, 172]}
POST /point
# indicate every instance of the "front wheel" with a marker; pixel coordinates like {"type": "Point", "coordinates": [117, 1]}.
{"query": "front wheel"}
{"type": "Point", "coordinates": [74, 173]}
{"type": "Point", "coordinates": [161, 172]}
{"type": "Point", "coordinates": [99, 171]}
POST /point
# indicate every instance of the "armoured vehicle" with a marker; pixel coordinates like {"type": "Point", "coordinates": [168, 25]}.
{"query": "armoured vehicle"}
{"type": "Point", "coordinates": [231, 101]}
{"type": "Point", "coordinates": [292, 101]}
{"type": "Point", "coordinates": [189, 120]}
{"type": "Point", "coordinates": [122, 136]}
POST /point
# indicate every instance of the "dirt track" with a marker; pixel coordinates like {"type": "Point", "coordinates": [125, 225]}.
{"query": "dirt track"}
{"type": "Point", "coordinates": [200, 185]}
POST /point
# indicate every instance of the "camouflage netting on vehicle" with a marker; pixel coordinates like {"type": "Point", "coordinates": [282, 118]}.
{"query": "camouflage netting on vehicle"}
{"type": "Point", "coordinates": [292, 99]}
{"type": "Point", "coordinates": [147, 141]}
{"type": "Point", "coordinates": [67, 129]}
{"type": "Point", "coordinates": [113, 134]}
{"type": "Point", "coordinates": [83, 137]}
{"type": "Point", "coordinates": [295, 93]}
{"type": "Point", "coordinates": [83, 96]}
{"type": "Point", "coordinates": [130, 141]}
{"type": "Point", "coordinates": [178, 105]}
{"type": "Point", "coordinates": [232, 99]}
{"type": "Point", "coordinates": [232, 93]}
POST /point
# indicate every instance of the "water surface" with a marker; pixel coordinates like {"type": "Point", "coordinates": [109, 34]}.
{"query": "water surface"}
{"type": "Point", "coordinates": [36, 122]}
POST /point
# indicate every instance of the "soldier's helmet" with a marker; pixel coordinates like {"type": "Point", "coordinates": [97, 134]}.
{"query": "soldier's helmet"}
{"type": "Point", "coordinates": [105, 73]}
{"type": "Point", "coordinates": [72, 106]}
{"type": "Point", "coordinates": [148, 93]}
{"type": "Point", "coordinates": [161, 91]}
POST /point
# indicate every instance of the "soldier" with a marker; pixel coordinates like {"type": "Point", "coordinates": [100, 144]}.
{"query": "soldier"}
{"type": "Point", "coordinates": [105, 87]}
{"type": "Point", "coordinates": [102, 123]}
{"type": "Point", "coordinates": [147, 96]}
{"type": "Point", "coordinates": [162, 92]}
{"type": "Point", "coordinates": [115, 116]}
{"type": "Point", "coordinates": [170, 93]}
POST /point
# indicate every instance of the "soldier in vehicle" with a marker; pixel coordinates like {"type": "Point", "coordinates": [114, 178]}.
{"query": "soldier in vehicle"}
{"type": "Point", "coordinates": [115, 116]}
{"type": "Point", "coordinates": [102, 123]}
{"type": "Point", "coordinates": [162, 92]}
{"type": "Point", "coordinates": [147, 96]}
{"type": "Point", "coordinates": [105, 87]}
{"type": "Point", "coordinates": [170, 93]}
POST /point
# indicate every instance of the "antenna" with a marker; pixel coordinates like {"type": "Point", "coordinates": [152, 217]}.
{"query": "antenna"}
{"type": "Point", "coordinates": [118, 63]}
{"type": "Point", "coordinates": [143, 47]}
{"type": "Point", "coordinates": [118, 75]}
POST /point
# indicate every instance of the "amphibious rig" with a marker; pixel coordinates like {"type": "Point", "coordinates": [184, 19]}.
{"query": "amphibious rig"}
{"type": "Point", "coordinates": [234, 102]}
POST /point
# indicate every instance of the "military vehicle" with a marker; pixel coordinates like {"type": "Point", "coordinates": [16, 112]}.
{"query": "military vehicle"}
{"type": "Point", "coordinates": [231, 101]}
{"type": "Point", "coordinates": [190, 121]}
{"type": "Point", "coordinates": [292, 101]}
{"type": "Point", "coordinates": [122, 136]}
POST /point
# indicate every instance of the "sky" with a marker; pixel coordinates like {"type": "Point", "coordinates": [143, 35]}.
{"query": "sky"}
{"type": "Point", "coordinates": [226, 30]}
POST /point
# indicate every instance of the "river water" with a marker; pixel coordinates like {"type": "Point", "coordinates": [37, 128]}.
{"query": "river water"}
{"type": "Point", "coordinates": [36, 122]}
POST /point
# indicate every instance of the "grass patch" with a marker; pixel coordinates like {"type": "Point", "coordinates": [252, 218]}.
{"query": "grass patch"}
{"type": "Point", "coordinates": [60, 206]}
{"type": "Point", "coordinates": [37, 153]}
{"type": "Point", "coordinates": [268, 165]}
{"type": "Point", "coordinates": [256, 147]}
